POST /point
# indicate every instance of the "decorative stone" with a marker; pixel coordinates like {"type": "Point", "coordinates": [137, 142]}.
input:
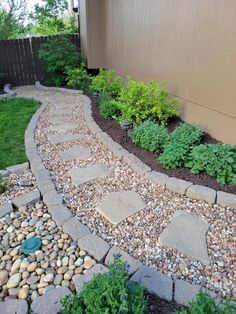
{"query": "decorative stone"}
{"type": "Point", "coordinates": [187, 234]}
{"type": "Point", "coordinates": [133, 263]}
{"type": "Point", "coordinates": [75, 229]}
{"type": "Point", "coordinates": [62, 138]}
{"type": "Point", "coordinates": [226, 199]}
{"type": "Point", "coordinates": [4, 173]}
{"type": "Point", "coordinates": [18, 168]}
{"type": "Point", "coordinates": [58, 279]}
{"type": "Point", "coordinates": [75, 153]}
{"type": "Point", "coordinates": [27, 199]}
{"type": "Point", "coordinates": [32, 266]}
{"type": "Point", "coordinates": [5, 209]}
{"type": "Point", "coordinates": [23, 293]}
{"type": "Point", "coordinates": [16, 265]}
{"type": "Point", "coordinates": [87, 174]}
{"type": "Point", "coordinates": [118, 206]}
{"type": "Point", "coordinates": [178, 185]}
{"type": "Point", "coordinates": [60, 214]}
{"type": "Point", "coordinates": [3, 277]}
{"type": "Point", "coordinates": [14, 281]}
{"type": "Point", "coordinates": [199, 192]}
{"type": "Point", "coordinates": [155, 282]}
{"type": "Point", "coordinates": [48, 278]}
{"type": "Point", "coordinates": [157, 177]}
{"type": "Point", "coordinates": [52, 198]}
{"type": "Point", "coordinates": [50, 302]}
{"type": "Point", "coordinates": [79, 280]}
{"type": "Point", "coordinates": [95, 246]}
{"type": "Point", "coordinates": [14, 307]}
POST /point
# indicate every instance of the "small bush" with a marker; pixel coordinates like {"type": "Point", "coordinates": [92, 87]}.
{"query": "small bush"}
{"type": "Point", "coordinates": [205, 304]}
{"type": "Point", "coordinates": [78, 78]}
{"type": "Point", "coordinates": [217, 160]}
{"type": "Point", "coordinates": [108, 293]}
{"type": "Point", "coordinates": [107, 82]}
{"type": "Point", "coordinates": [139, 102]}
{"type": "Point", "coordinates": [107, 107]}
{"type": "Point", "coordinates": [56, 55]}
{"type": "Point", "coordinates": [150, 136]}
{"type": "Point", "coordinates": [177, 150]}
{"type": "Point", "coordinates": [3, 185]}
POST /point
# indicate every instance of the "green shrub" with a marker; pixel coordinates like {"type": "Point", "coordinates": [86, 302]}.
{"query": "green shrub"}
{"type": "Point", "coordinates": [108, 293]}
{"type": "Point", "coordinates": [78, 78]}
{"type": "Point", "coordinates": [139, 102]}
{"type": "Point", "coordinates": [3, 185]}
{"type": "Point", "coordinates": [56, 55]}
{"type": "Point", "coordinates": [150, 136]}
{"type": "Point", "coordinates": [177, 150]}
{"type": "Point", "coordinates": [107, 82]}
{"type": "Point", "coordinates": [205, 304]}
{"type": "Point", "coordinates": [107, 107]}
{"type": "Point", "coordinates": [218, 160]}
{"type": "Point", "coordinates": [3, 77]}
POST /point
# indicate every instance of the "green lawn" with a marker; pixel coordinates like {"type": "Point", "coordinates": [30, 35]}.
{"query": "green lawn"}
{"type": "Point", "coordinates": [15, 115]}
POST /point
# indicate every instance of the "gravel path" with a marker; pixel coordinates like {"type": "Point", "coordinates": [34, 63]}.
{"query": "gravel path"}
{"type": "Point", "coordinates": [138, 234]}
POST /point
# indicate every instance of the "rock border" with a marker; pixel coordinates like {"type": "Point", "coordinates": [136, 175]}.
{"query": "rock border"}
{"type": "Point", "coordinates": [41, 87]}
{"type": "Point", "coordinates": [146, 275]}
{"type": "Point", "coordinates": [9, 92]}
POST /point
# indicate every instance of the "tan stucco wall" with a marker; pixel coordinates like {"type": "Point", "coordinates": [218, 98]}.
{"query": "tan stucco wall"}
{"type": "Point", "coordinates": [189, 43]}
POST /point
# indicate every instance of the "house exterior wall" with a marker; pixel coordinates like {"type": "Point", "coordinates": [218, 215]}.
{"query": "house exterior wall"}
{"type": "Point", "coordinates": [191, 44]}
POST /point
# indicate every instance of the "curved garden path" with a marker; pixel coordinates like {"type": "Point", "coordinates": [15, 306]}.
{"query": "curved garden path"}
{"type": "Point", "coordinates": [156, 207]}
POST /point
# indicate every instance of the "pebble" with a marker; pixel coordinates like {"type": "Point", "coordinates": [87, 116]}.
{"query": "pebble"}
{"type": "Point", "coordinates": [10, 229]}
{"type": "Point", "coordinates": [16, 265]}
{"type": "Point", "coordinates": [65, 261]}
{"type": "Point", "coordinates": [79, 262]}
{"type": "Point", "coordinates": [88, 264]}
{"type": "Point", "coordinates": [3, 277]}
{"type": "Point", "coordinates": [32, 280]}
{"type": "Point", "coordinates": [62, 270]}
{"type": "Point", "coordinates": [23, 293]}
{"type": "Point", "coordinates": [14, 281]}
{"type": "Point", "coordinates": [58, 279]}
{"type": "Point", "coordinates": [68, 275]}
{"type": "Point", "coordinates": [31, 268]}
{"type": "Point", "coordinates": [48, 278]}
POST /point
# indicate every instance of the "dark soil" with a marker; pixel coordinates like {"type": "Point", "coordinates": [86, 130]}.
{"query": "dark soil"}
{"type": "Point", "coordinates": [112, 128]}
{"type": "Point", "coordinates": [161, 306]}
{"type": "Point", "coordinates": [2, 92]}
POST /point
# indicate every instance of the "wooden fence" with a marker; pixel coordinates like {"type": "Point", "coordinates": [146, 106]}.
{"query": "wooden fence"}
{"type": "Point", "coordinates": [19, 59]}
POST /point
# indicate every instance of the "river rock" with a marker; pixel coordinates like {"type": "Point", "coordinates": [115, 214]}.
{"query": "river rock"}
{"type": "Point", "coordinates": [14, 281]}
{"type": "Point", "coordinates": [3, 277]}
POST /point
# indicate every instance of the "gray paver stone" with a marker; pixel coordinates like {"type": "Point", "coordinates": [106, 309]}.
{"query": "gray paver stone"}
{"type": "Point", "coordinates": [27, 199]}
{"type": "Point", "coordinates": [157, 177]}
{"type": "Point", "coordinates": [200, 192]}
{"type": "Point", "coordinates": [50, 302]}
{"type": "Point", "coordinates": [64, 127]}
{"type": "Point", "coordinates": [187, 234]}
{"type": "Point", "coordinates": [19, 168]}
{"type": "Point", "coordinates": [87, 174]}
{"type": "Point", "coordinates": [41, 174]}
{"type": "Point", "coordinates": [75, 229]}
{"type": "Point", "coordinates": [79, 280]}
{"type": "Point", "coordinates": [62, 138]}
{"type": "Point", "coordinates": [60, 214]}
{"type": "Point", "coordinates": [14, 307]}
{"type": "Point", "coordinates": [94, 246]}
{"type": "Point", "coordinates": [118, 206]}
{"type": "Point", "coordinates": [52, 198]}
{"type": "Point", "coordinates": [5, 209]}
{"type": "Point", "coordinates": [178, 185]}
{"type": "Point", "coordinates": [125, 257]}
{"type": "Point", "coordinates": [226, 199]}
{"type": "Point", "coordinates": [4, 173]}
{"type": "Point", "coordinates": [136, 164]}
{"type": "Point", "coordinates": [45, 186]}
{"type": "Point", "coordinates": [94, 128]}
{"type": "Point", "coordinates": [75, 153]}
{"type": "Point", "coordinates": [155, 282]}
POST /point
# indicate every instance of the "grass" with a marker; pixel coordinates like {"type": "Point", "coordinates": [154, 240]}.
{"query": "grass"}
{"type": "Point", "coordinates": [15, 114]}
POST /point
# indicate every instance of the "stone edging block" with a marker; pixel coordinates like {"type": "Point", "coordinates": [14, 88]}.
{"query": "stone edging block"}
{"type": "Point", "coordinates": [41, 87]}
{"type": "Point", "coordinates": [9, 92]}
{"type": "Point", "coordinates": [200, 192]}
{"type": "Point", "coordinates": [5, 209]}
{"type": "Point", "coordinates": [75, 229]}
{"type": "Point", "coordinates": [177, 185]}
{"type": "Point", "coordinates": [27, 199]}
{"type": "Point", "coordinates": [226, 199]}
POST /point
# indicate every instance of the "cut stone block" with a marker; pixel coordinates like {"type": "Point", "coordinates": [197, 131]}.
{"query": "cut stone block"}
{"type": "Point", "coordinates": [226, 199]}
{"type": "Point", "coordinates": [27, 199]}
{"type": "Point", "coordinates": [94, 246]}
{"type": "Point", "coordinates": [75, 153]}
{"type": "Point", "coordinates": [125, 257]}
{"type": "Point", "coordinates": [60, 120]}
{"type": "Point", "coordinates": [64, 127]}
{"type": "Point", "coordinates": [4, 173]}
{"type": "Point", "coordinates": [80, 280]}
{"type": "Point", "coordinates": [118, 206]}
{"type": "Point", "coordinates": [155, 282]}
{"type": "Point", "coordinates": [5, 209]}
{"type": "Point", "coordinates": [50, 302]}
{"type": "Point", "coordinates": [200, 192]}
{"type": "Point", "coordinates": [87, 174]}
{"type": "Point", "coordinates": [60, 214]}
{"type": "Point", "coordinates": [62, 138]}
{"type": "Point", "coordinates": [136, 164]}
{"type": "Point", "coordinates": [45, 186]}
{"type": "Point", "coordinates": [14, 307]}
{"type": "Point", "coordinates": [52, 198]}
{"type": "Point", "coordinates": [187, 234]}
{"type": "Point", "coordinates": [157, 177]}
{"type": "Point", "coordinates": [75, 229]}
{"type": "Point", "coordinates": [19, 168]}
{"type": "Point", "coordinates": [178, 185]}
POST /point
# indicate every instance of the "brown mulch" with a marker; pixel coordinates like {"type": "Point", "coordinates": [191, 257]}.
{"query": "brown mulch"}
{"type": "Point", "coordinates": [155, 305]}
{"type": "Point", "coordinates": [112, 128]}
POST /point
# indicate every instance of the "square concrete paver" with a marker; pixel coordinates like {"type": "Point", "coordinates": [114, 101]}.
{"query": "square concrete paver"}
{"type": "Point", "coordinates": [187, 234]}
{"type": "Point", "coordinates": [62, 138]}
{"type": "Point", "coordinates": [117, 206]}
{"type": "Point", "coordinates": [75, 153]}
{"type": "Point", "coordinates": [86, 174]}
{"type": "Point", "coordinates": [64, 127]}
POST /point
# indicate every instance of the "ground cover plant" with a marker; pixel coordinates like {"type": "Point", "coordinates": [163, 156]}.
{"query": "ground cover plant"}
{"type": "Point", "coordinates": [78, 78]}
{"type": "Point", "coordinates": [111, 292]}
{"type": "Point", "coordinates": [15, 115]}
{"type": "Point", "coordinates": [107, 107]}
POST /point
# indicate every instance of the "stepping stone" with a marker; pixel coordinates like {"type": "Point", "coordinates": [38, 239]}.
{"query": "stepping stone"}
{"type": "Point", "coordinates": [62, 138]}
{"type": "Point", "coordinates": [64, 127]}
{"type": "Point", "coordinates": [60, 120]}
{"type": "Point", "coordinates": [118, 206]}
{"type": "Point", "coordinates": [75, 153]}
{"type": "Point", "coordinates": [187, 234]}
{"type": "Point", "coordinates": [87, 174]}
{"type": "Point", "coordinates": [14, 307]}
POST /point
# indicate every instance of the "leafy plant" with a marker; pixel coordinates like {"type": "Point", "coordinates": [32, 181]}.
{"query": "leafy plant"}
{"type": "Point", "coordinates": [177, 150]}
{"type": "Point", "coordinates": [107, 82]}
{"type": "Point", "coordinates": [78, 78]}
{"type": "Point", "coordinates": [205, 304]}
{"type": "Point", "coordinates": [107, 107]}
{"type": "Point", "coordinates": [218, 160]}
{"type": "Point", "coordinates": [150, 136]}
{"type": "Point", "coordinates": [57, 55]}
{"type": "Point", "coordinates": [139, 102]}
{"type": "Point", "coordinates": [108, 293]}
{"type": "Point", "coordinates": [3, 185]}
